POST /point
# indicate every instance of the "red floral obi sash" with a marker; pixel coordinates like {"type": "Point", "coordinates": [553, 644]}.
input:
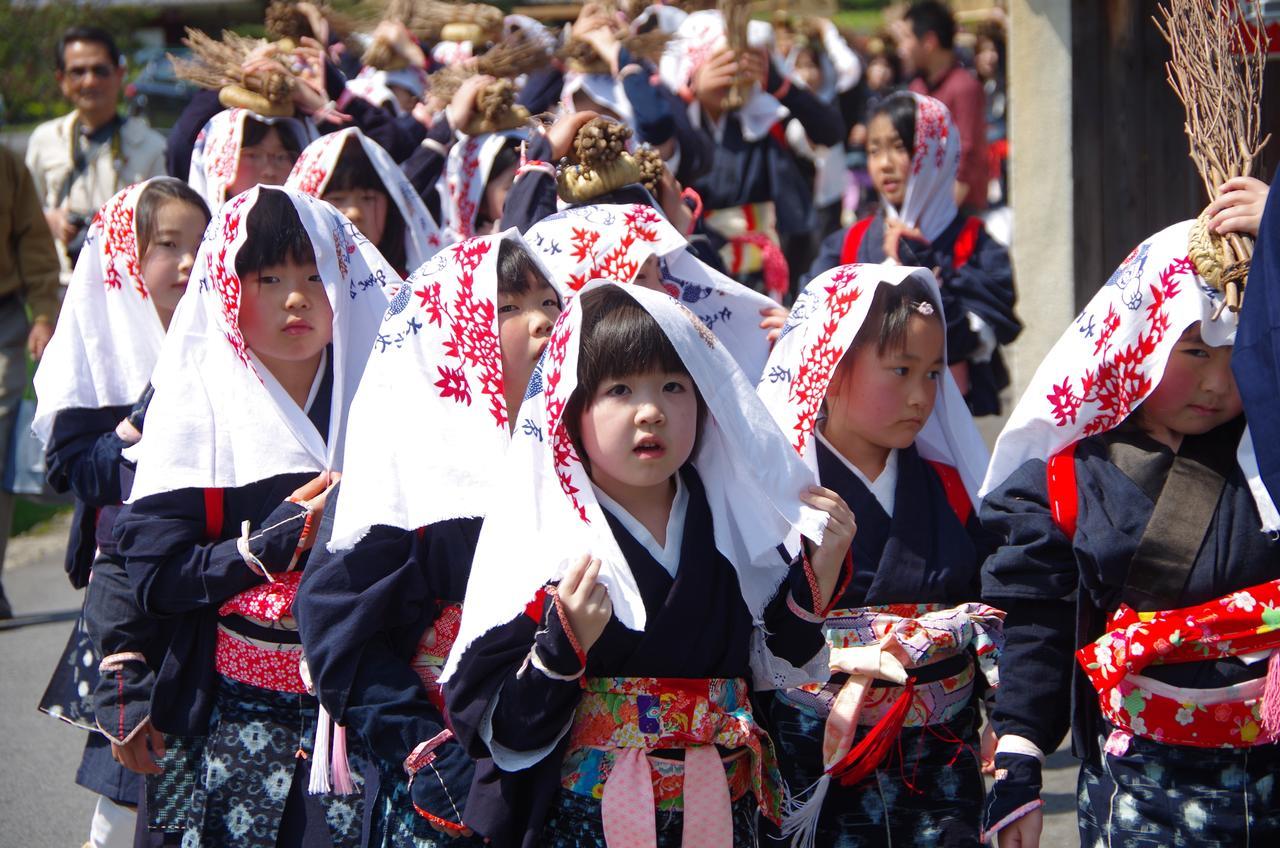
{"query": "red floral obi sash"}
{"type": "Point", "coordinates": [1240, 716]}
{"type": "Point", "coordinates": [258, 642]}
{"type": "Point", "coordinates": [623, 723]}
{"type": "Point", "coordinates": [433, 648]}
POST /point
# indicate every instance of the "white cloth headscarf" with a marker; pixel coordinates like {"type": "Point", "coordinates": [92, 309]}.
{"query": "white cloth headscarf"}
{"type": "Point", "coordinates": [612, 242]}
{"type": "Point", "coordinates": [219, 419]}
{"type": "Point", "coordinates": [436, 368]}
{"type": "Point", "coordinates": [467, 172]}
{"type": "Point", "coordinates": [314, 169]}
{"type": "Point", "coordinates": [1113, 356]}
{"type": "Point", "coordinates": [216, 156]}
{"type": "Point", "coordinates": [548, 515]}
{"type": "Point", "coordinates": [930, 202]}
{"type": "Point", "coordinates": [602, 89]}
{"type": "Point", "coordinates": [700, 36]}
{"type": "Point", "coordinates": [108, 335]}
{"type": "Point", "coordinates": [822, 325]}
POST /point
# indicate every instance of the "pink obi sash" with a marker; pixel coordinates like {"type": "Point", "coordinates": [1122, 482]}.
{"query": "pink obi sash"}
{"type": "Point", "coordinates": [433, 648]}
{"type": "Point", "coordinates": [259, 661]}
{"type": "Point", "coordinates": [621, 720]}
{"type": "Point", "coordinates": [1240, 716]}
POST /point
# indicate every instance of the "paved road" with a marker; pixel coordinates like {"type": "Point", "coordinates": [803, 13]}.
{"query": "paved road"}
{"type": "Point", "coordinates": [40, 805]}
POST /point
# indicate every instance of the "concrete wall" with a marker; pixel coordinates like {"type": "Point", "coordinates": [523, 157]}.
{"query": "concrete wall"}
{"type": "Point", "coordinates": [1040, 80]}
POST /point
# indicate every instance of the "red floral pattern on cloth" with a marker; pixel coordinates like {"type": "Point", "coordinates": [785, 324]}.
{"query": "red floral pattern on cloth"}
{"type": "Point", "coordinates": [120, 234]}
{"type": "Point", "coordinates": [565, 456]}
{"type": "Point", "coordinates": [267, 601]}
{"type": "Point", "coordinates": [226, 283]}
{"type": "Point", "coordinates": [650, 714]}
{"type": "Point", "coordinates": [1242, 622]}
{"type": "Point", "coordinates": [461, 187]}
{"type": "Point", "coordinates": [473, 340]}
{"type": "Point", "coordinates": [311, 172]}
{"type": "Point", "coordinates": [621, 262]}
{"type": "Point", "coordinates": [433, 649]}
{"type": "Point", "coordinates": [933, 128]}
{"type": "Point", "coordinates": [1122, 376]}
{"type": "Point", "coordinates": [266, 668]}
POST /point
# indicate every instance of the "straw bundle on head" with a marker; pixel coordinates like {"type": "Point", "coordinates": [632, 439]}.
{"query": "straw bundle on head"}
{"type": "Point", "coordinates": [496, 107]}
{"type": "Point", "coordinates": [651, 168]}
{"type": "Point", "coordinates": [736, 16]}
{"type": "Point", "coordinates": [435, 20]}
{"type": "Point", "coordinates": [1216, 71]}
{"type": "Point", "coordinates": [579, 55]}
{"type": "Point", "coordinates": [604, 164]}
{"type": "Point", "coordinates": [219, 65]}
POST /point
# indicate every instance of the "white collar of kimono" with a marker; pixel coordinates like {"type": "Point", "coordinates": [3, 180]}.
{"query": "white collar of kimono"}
{"type": "Point", "coordinates": [667, 554]}
{"type": "Point", "coordinates": [219, 419]}
{"type": "Point", "coordinates": [314, 168]}
{"type": "Point", "coordinates": [467, 172]}
{"type": "Point", "coordinates": [883, 488]}
{"type": "Point", "coordinates": [548, 514]}
{"type": "Point", "coordinates": [436, 368]}
{"type": "Point", "coordinates": [822, 325]}
{"type": "Point", "coordinates": [930, 202]}
{"type": "Point", "coordinates": [611, 241]}
{"type": "Point", "coordinates": [108, 335]}
{"type": "Point", "coordinates": [700, 36]}
{"type": "Point", "coordinates": [1114, 355]}
{"type": "Point", "coordinates": [216, 155]}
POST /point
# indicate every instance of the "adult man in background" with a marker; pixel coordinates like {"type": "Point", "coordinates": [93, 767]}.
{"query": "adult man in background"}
{"type": "Point", "coordinates": [927, 40]}
{"type": "Point", "coordinates": [28, 280]}
{"type": "Point", "coordinates": [80, 160]}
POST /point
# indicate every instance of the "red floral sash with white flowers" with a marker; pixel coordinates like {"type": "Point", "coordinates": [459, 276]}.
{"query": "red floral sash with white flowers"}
{"type": "Point", "coordinates": [433, 648]}
{"type": "Point", "coordinates": [1241, 623]}
{"type": "Point", "coordinates": [267, 665]}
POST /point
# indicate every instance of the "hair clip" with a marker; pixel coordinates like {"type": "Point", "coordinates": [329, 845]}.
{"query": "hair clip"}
{"type": "Point", "coordinates": [924, 307]}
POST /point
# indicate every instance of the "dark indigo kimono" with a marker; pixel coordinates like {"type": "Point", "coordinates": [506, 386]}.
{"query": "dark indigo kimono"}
{"type": "Point", "coordinates": [698, 627]}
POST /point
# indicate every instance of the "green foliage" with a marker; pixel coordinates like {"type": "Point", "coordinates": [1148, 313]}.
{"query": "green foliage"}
{"type": "Point", "coordinates": [28, 36]}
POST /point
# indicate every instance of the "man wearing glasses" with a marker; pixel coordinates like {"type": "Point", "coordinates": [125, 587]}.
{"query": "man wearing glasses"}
{"type": "Point", "coordinates": [79, 161]}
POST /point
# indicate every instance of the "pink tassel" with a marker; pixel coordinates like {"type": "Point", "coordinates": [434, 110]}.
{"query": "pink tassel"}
{"type": "Point", "coordinates": [1271, 698]}
{"type": "Point", "coordinates": [342, 783]}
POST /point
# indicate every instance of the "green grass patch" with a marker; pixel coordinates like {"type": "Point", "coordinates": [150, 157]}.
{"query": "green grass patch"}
{"type": "Point", "coordinates": [860, 20]}
{"type": "Point", "coordinates": [27, 514]}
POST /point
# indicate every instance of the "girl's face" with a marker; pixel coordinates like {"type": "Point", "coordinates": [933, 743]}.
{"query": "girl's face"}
{"type": "Point", "coordinates": [650, 275]}
{"type": "Point", "coordinates": [285, 315]}
{"type": "Point", "coordinates": [495, 196]}
{"type": "Point", "coordinates": [364, 207]}
{"type": "Point", "coordinates": [888, 159]}
{"type": "Point", "coordinates": [808, 70]}
{"type": "Point", "coordinates": [882, 401]}
{"type": "Point", "coordinates": [171, 253]}
{"type": "Point", "coordinates": [524, 325]}
{"type": "Point", "coordinates": [1196, 394]}
{"type": "Point", "coordinates": [879, 73]}
{"type": "Point", "coordinates": [266, 163]}
{"type": "Point", "coordinates": [639, 429]}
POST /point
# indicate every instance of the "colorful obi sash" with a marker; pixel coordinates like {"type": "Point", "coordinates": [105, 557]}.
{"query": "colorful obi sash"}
{"type": "Point", "coordinates": [1236, 625]}
{"type": "Point", "coordinates": [433, 648]}
{"type": "Point", "coordinates": [258, 640]}
{"type": "Point", "coordinates": [753, 244]}
{"type": "Point", "coordinates": [621, 720]}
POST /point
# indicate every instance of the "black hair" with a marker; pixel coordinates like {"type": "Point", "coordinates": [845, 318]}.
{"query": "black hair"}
{"type": "Point", "coordinates": [91, 34]}
{"type": "Point", "coordinates": [891, 310]}
{"type": "Point", "coordinates": [157, 193]}
{"type": "Point", "coordinates": [514, 267]}
{"type": "Point", "coordinates": [900, 109]}
{"type": "Point", "coordinates": [930, 16]}
{"type": "Point", "coordinates": [619, 338]}
{"type": "Point", "coordinates": [353, 171]}
{"type": "Point", "coordinates": [274, 235]}
{"type": "Point", "coordinates": [891, 58]}
{"type": "Point", "coordinates": [255, 131]}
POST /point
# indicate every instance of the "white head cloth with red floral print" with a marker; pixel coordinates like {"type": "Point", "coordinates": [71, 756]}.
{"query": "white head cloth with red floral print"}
{"type": "Point", "coordinates": [1113, 356]}
{"type": "Point", "coordinates": [822, 325]}
{"type": "Point", "coordinates": [467, 172]}
{"type": "Point", "coordinates": [108, 335]}
{"type": "Point", "coordinates": [612, 241]}
{"type": "Point", "coordinates": [930, 202]}
{"type": "Point", "coordinates": [700, 36]}
{"type": "Point", "coordinates": [548, 514]}
{"type": "Point", "coordinates": [216, 156]}
{"type": "Point", "coordinates": [219, 419]}
{"type": "Point", "coordinates": [314, 168]}
{"type": "Point", "coordinates": [436, 368]}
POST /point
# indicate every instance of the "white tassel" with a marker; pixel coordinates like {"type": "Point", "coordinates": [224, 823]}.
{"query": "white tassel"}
{"type": "Point", "coordinates": [319, 784]}
{"type": "Point", "coordinates": [800, 819]}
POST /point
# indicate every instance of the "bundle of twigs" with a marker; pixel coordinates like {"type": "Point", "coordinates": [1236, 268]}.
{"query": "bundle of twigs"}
{"type": "Point", "coordinates": [435, 20]}
{"type": "Point", "coordinates": [581, 56]}
{"type": "Point", "coordinates": [219, 65]}
{"type": "Point", "coordinates": [507, 59]}
{"type": "Point", "coordinates": [600, 148]}
{"type": "Point", "coordinates": [736, 15]}
{"type": "Point", "coordinates": [1216, 71]}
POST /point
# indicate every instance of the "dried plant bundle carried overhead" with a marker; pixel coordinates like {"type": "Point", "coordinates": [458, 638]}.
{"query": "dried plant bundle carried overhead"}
{"type": "Point", "coordinates": [579, 54]}
{"type": "Point", "coordinates": [603, 163]}
{"type": "Point", "coordinates": [496, 106]}
{"type": "Point", "coordinates": [1216, 70]}
{"type": "Point", "coordinates": [652, 168]}
{"type": "Point", "coordinates": [435, 20]}
{"type": "Point", "coordinates": [736, 16]}
{"type": "Point", "coordinates": [219, 65]}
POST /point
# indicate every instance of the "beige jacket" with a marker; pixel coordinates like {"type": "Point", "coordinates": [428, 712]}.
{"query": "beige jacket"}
{"type": "Point", "coordinates": [49, 158]}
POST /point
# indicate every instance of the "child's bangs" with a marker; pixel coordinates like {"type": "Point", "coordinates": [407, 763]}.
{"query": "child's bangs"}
{"type": "Point", "coordinates": [619, 338]}
{"type": "Point", "coordinates": [516, 268]}
{"type": "Point", "coordinates": [354, 170]}
{"type": "Point", "coordinates": [275, 235]}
